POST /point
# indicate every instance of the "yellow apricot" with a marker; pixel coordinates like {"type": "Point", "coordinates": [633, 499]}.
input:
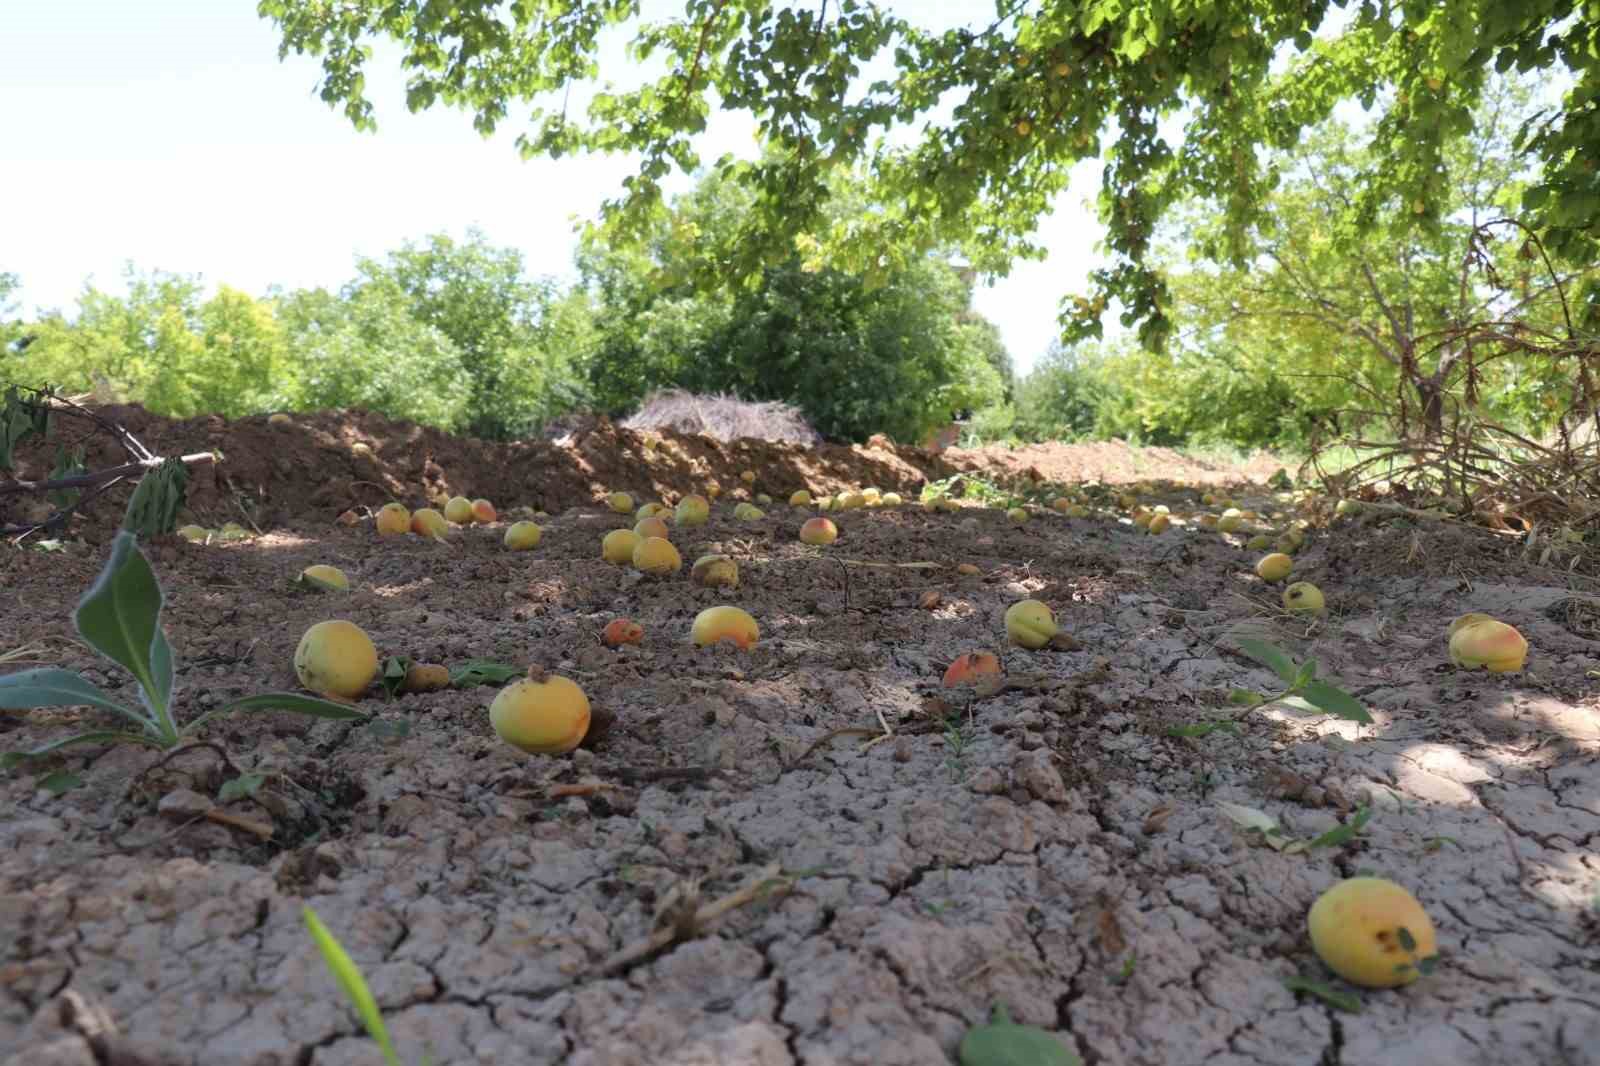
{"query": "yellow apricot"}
{"type": "Point", "coordinates": [850, 501]}
{"type": "Point", "coordinates": [1206, 521]}
{"type": "Point", "coordinates": [716, 624]}
{"type": "Point", "coordinates": [748, 477]}
{"type": "Point", "coordinates": [1258, 543]}
{"type": "Point", "coordinates": [426, 522]}
{"type": "Point", "coordinates": [715, 571]}
{"type": "Point", "coordinates": [1489, 643]}
{"type": "Point", "coordinates": [545, 717]}
{"type": "Point", "coordinates": [652, 510]}
{"type": "Point", "coordinates": [393, 518]}
{"type": "Point", "coordinates": [1017, 515]}
{"type": "Point", "coordinates": [324, 577]}
{"type": "Point", "coordinates": [818, 531]}
{"type": "Point", "coordinates": [458, 509]}
{"type": "Point", "coordinates": [425, 677]}
{"type": "Point", "coordinates": [1030, 623]}
{"type": "Point", "coordinates": [892, 499]}
{"type": "Point", "coordinates": [620, 502]}
{"type": "Point", "coordinates": [194, 534]}
{"type": "Point", "coordinates": [483, 512]}
{"type": "Point", "coordinates": [1371, 932]}
{"type": "Point", "coordinates": [617, 546]}
{"type": "Point", "coordinates": [520, 536]}
{"type": "Point", "coordinates": [748, 512]}
{"type": "Point", "coordinates": [336, 658]}
{"type": "Point", "coordinates": [278, 419]}
{"type": "Point", "coordinates": [1159, 523]}
{"type": "Point", "coordinates": [692, 510]}
{"type": "Point", "coordinates": [656, 555]}
{"type": "Point", "coordinates": [652, 527]}
{"type": "Point", "coordinates": [1274, 567]}
{"type": "Point", "coordinates": [800, 498]}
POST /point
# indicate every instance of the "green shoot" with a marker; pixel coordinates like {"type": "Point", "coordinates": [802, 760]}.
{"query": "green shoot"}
{"type": "Point", "coordinates": [120, 617]}
{"type": "Point", "coordinates": [1302, 690]}
{"type": "Point", "coordinates": [354, 985]}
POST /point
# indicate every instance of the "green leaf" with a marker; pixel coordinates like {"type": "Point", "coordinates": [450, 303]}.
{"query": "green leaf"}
{"type": "Point", "coordinates": [245, 786]}
{"type": "Point", "coordinates": [120, 616]}
{"type": "Point", "coordinates": [345, 971]}
{"type": "Point", "coordinates": [394, 675]}
{"type": "Point", "coordinates": [50, 686]}
{"type": "Point", "coordinates": [108, 736]}
{"type": "Point", "coordinates": [59, 782]}
{"type": "Point", "coordinates": [1305, 675]}
{"type": "Point", "coordinates": [312, 706]}
{"type": "Point", "coordinates": [1243, 697]}
{"type": "Point", "coordinates": [482, 672]}
{"type": "Point", "coordinates": [1344, 832]}
{"type": "Point", "coordinates": [1002, 1042]}
{"type": "Point", "coordinates": [153, 507]}
{"type": "Point", "coordinates": [1331, 996]}
{"type": "Point", "coordinates": [1202, 729]}
{"type": "Point", "coordinates": [1336, 702]}
{"type": "Point", "coordinates": [1274, 659]}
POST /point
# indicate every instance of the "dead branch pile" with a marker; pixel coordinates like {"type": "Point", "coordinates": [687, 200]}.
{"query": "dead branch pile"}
{"type": "Point", "coordinates": [724, 417]}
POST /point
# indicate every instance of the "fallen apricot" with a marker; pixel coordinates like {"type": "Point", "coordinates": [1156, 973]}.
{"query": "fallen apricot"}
{"type": "Point", "coordinates": [1274, 567]}
{"type": "Point", "coordinates": [692, 510]}
{"type": "Point", "coordinates": [1159, 523]}
{"type": "Point", "coordinates": [748, 477]}
{"type": "Point", "coordinates": [850, 501]}
{"type": "Point", "coordinates": [1231, 520]}
{"type": "Point", "coordinates": [278, 419]}
{"type": "Point", "coordinates": [1258, 543]}
{"type": "Point", "coordinates": [425, 677]}
{"type": "Point", "coordinates": [656, 555]}
{"type": "Point", "coordinates": [715, 571]}
{"type": "Point", "coordinates": [966, 569]}
{"type": "Point", "coordinates": [520, 536]}
{"type": "Point", "coordinates": [545, 717]}
{"type": "Point", "coordinates": [336, 658]}
{"type": "Point", "coordinates": [970, 666]}
{"type": "Point", "coordinates": [458, 509]}
{"type": "Point", "coordinates": [1303, 596]}
{"type": "Point", "coordinates": [621, 631]}
{"type": "Point", "coordinates": [716, 624]}
{"type": "Point", "coordinates": [426, 522]}
{"type": "Point", "coordinates": [1206, 521]}
{"type": "Point", "coordinates": [1030, 623]}
{"type": "Point", "coordinates": [652, 527]}
{"type": "Point", "coordinates": [748, 512]}
{"type": "Point", "coordinates": [800, 498]}
{"type": "Point", "coordinates": [1489, 643]}
{"type": "Point", "coordinates": [620, 502]}
{"type": "Point", "coordinates": [194, 534]}
{"type": "Point", "coordinates": [324, 577]}
{"type": "Point", "coordinates": [818, 531]}
{"type": "Point", "coordinates": [763, 500]}
{"type": "Point", "coordinates": [348, 518]}
{"type": "Point", "coordinates": [1017, 515]}
{"type": "Point", "coordinates": [892, 499]}
{"type": "Point", "coordinates": [483, 512]}
{"type": "Point", "coordinates": [392, 519]}
{"type": "Point", "coordinates": [652, 510]}
{"type": "Point", "coordinates": [617, 546]}
{"type": "Point", "coordinates": [1371, 932]}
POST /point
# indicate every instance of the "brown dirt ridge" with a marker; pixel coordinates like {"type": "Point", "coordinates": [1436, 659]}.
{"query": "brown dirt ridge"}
{"type": "Point", "coordinates": [901, 857]}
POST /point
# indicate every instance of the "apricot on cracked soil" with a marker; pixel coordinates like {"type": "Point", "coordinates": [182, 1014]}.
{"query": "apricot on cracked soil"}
{"type": "Point", "coordinates": [336, 658]}
{"type": "Point", "coordinates": [549, 716]}
{"type": "Point", "coordinates": [621, 631]}
{"type": "Point", "coordinates": [692, 510]}
{"type": "Point", "coordinates": [656, 555]}
{"type": "Point", "coordinates": [325, 577]}
{"type": "Point", "coordinates": [717, 624]}
{"type": "Point", "coordinates": [971, 667]}
{"type": "Point", "coordinates": [1478, 640]}
{"type": "Point", "coordinates": [1274, 567]}
{"type": "Point", "coordinates": [617, 546]}
{"type": "Point", "coordinates": [1030, 623]}
{"type": "Point", "coordinates": [1371, 932]}
{"type": "Point", "coordinates": [818, 531]}
{"type": "Point", "coordinates": [715, 571]}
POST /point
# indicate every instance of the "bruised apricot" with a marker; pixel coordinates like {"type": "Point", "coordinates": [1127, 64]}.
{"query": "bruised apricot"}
{"type": "Point", "coordinates": [483, 512]}
{"type": "Point", "coordinates": [336, 658]}
{"type": "Point", "coordinates": [458, 509]}
{"type": "Point", "coordinates": [652, 527]}
{"type": "Point", "coordinates": [542, 717]}
{"type": "Point", "coordinates": [692, 510]}
{"type": "Point", "coordinates": [970, 667]}
{"type": "Point", "coordinates": [715, 571]}
{"type": "Point", "coordinates": [818, 531]}
{"type": "Point", "coordinates": [716, 624]}
{"type": "Point", "coordinates": [1478, 640]}
{"type": "Point", "coordinates": [656, 555]}
{"type": "Point", "coordinates": [427, 522]}
{"type": "Point", "coordinates": [1371, 932]}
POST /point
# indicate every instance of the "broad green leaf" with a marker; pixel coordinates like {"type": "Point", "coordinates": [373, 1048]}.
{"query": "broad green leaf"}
{"type": "Point", "coordinates": [1336, 702]}
{"type": "Point", "coordinates": [241, 787]}
{"type": "Point", "coordinates": [393, 675]}
{"type": "Point", "coordinates": [482, 672]}
{"type": "Point", "coordinates": [354, 986]}
{"type": "Point", "coordinates": [163, 663]}
{"type": "Point", "coordinates": [1344, 832]}
{"type": "Point", "coordinates": [109, 736]}
{"type": "Point", "coordinates": [120, 615]}
{"type": "Point", "coordinates": [59, 782]}
{"type": "Point", "coordinates": [1274, 659]}
{"type": "Point", "coordinates": [1003, 1042]}
{"type": "Point", "coordinates": [1331, 996]}
{"type": "Point", "coordinates": [1305, 675]}
{"type": "Point", "coordinates": [50, 686]}
{"type": "Point", "coordinates": [153, 507]}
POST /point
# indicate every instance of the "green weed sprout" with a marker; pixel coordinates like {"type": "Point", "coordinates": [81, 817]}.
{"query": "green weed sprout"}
{"type": "Point", "coordinates": [120, 617]}
{"type": "Point", "coordinates": [348, 974]}
{"type": "Point", "coordinates": [1302, 690]}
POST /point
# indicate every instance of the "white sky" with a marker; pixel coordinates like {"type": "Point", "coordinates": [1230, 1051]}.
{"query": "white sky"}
{"type": "Point", "coordinates": [166, 133]}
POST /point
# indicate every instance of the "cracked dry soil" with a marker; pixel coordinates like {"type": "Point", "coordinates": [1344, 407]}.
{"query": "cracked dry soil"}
{"type": "Point", "coordinates": [1058, 851]}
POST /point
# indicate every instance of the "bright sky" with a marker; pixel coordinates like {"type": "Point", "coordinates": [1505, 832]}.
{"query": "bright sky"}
{"type": "Point", "coordinates": [168, 134]}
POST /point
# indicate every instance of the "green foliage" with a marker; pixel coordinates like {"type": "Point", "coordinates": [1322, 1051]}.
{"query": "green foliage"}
{"type": "Point", "coordinates": [153, 507]}
{"type": "Point", "coordinates": [1301, 689]}
{"type": "Point", "coordinates": [120, 617]}
{"type": "Point", "coordinates": [1070, 396]}
{"type": "Point", "coordinates": [1003, 1042]}
{"type": "Point", "coordinates": [1036, 90]}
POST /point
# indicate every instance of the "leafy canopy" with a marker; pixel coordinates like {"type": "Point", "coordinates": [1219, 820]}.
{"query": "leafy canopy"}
{"type": "Point", "coordinates": [993, 117]}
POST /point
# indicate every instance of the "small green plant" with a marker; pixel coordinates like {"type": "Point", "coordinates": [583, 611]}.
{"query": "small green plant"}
{"type": "Point", "coordinates": [1002, 1042]}
{"type": "Point", "coordinates": [120, 617]}
{"type": "Point", "coordinates": [1302, 691]}
{"type": "Point", "coordinates": [957, 738]}
{"type": "Point", "coordinates": [354, 985]}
